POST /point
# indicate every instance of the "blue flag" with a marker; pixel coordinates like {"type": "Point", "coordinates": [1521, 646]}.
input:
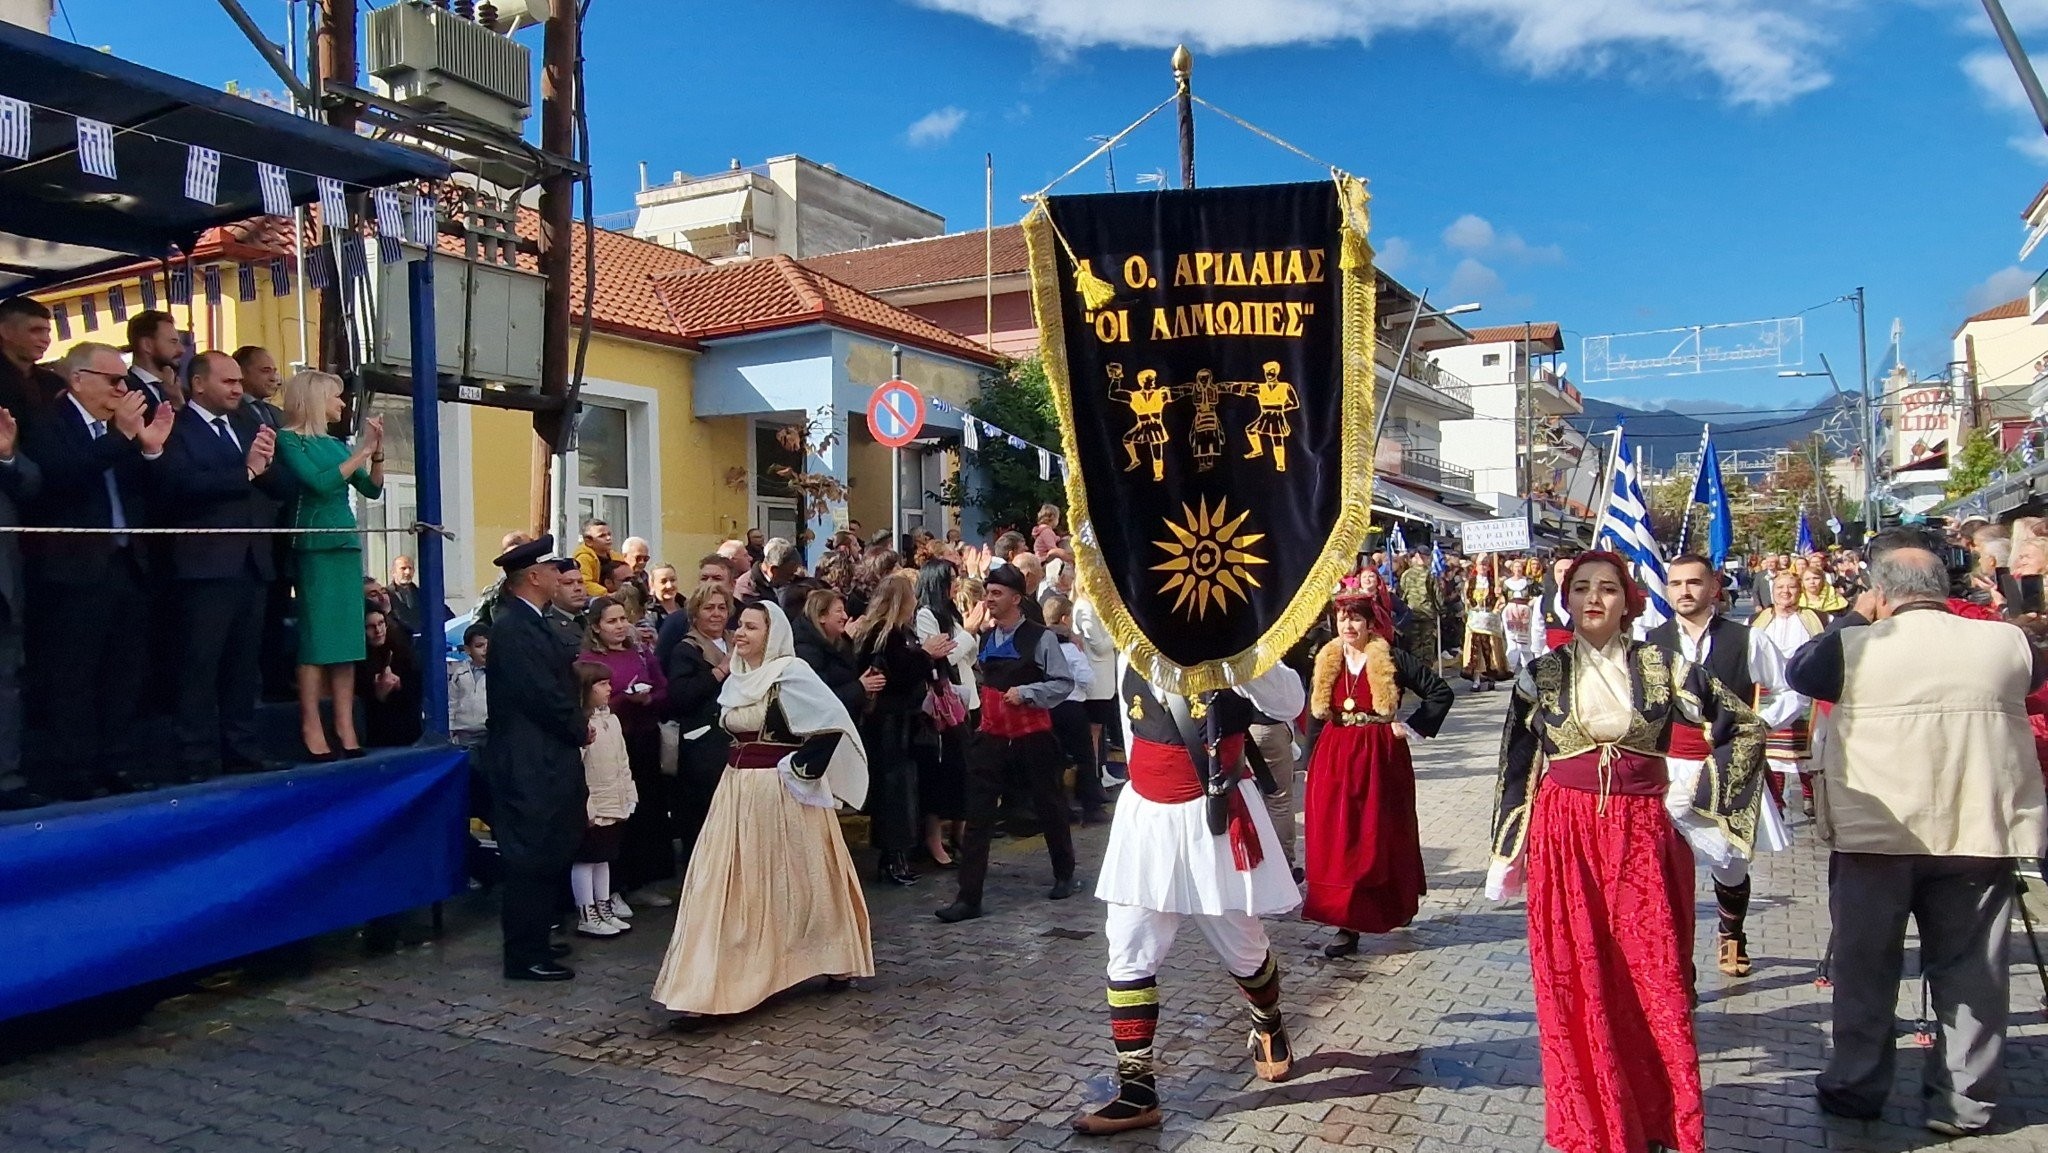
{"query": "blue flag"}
{"type": "Point", "coordinates": [1436, 557]}
{"type": "Point", "coordinates": [1805, 544]}
{"type": "Point", "coordinates": [1709, 491]}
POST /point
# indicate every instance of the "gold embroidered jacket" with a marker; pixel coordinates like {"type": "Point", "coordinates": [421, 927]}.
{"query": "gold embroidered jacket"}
{"type": "Point", "coordinates": [1666, 690]}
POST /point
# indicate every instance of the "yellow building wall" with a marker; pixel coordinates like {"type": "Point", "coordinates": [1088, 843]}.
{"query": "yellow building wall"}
{"type": "Point", "coordinates": [2008, 356]}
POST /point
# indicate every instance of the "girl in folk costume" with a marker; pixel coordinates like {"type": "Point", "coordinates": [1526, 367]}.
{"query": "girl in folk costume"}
{"type": "Point", "coordinates": [1364, 848]}
{"type": "Point", "coordinates": [1581, 809]}
{"type": "Point", "coordinates": [1486, 655]}
{"type": "Point", "coordinates": [771, 898]}
{"type": "Point", "coordinates": [1788, 626]}
{"type": "Point", "coordinates": [1521, 624]}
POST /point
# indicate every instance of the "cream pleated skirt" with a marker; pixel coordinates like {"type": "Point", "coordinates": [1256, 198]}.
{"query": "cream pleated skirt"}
{"type": "Point", "coordinates": [771, 900]}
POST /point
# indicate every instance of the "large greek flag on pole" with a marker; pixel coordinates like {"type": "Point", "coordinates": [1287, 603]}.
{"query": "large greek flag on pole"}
{"type": "Point", "coordinates": [1625, 528]}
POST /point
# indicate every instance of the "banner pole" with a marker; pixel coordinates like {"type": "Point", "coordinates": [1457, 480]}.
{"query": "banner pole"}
{"type": "Point", "coordinates": [1184, 96]}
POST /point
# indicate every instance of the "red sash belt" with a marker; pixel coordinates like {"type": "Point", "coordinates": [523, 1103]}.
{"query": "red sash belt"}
{"type": "Point", "coordinates": [1165, 774]}
{"type": "Point", "coordinates": [747, 753]}
{"type": "Point", "coordinates": [1000, 718]}
{"type": "Point", "coordinates": [1689, 742]}
{"type": "Point", "coordinates": [1628, 774]}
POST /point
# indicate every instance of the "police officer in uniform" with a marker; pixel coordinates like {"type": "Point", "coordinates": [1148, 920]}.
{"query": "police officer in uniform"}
{"type": "Point", "coordinates": [532, 757]}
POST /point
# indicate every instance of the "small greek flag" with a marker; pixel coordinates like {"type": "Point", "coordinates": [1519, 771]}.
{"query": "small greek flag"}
{"type": "Point", "coordinates": [1044, 465]}
{"type": "Point", "coordinates": [970, 434]}
{"type": "Point", "coordinates": [280, 277]}
{"type": "Point", "coordinates": [1398, 544]}
{"type": "Point", "coordinates": [277, 191]}
{"type": "Point", "coordinates": [314, 268]}
{"type": "Point", "coordinates": [181, 284]}
{"type": "Point", "coordinates": [355, 262]}
{"type": "Point", "coordinates": [15, 120]}
{"type": "Point", "coordinates": [96, 147]}
{"type": "Point", "coordinates": [426, 220]}
{"type": "Point", "coordinates": [117, 303]}
{"type": "Point", "coordinates": [245, 282]}
{"type": "Point", "coordinates": [389, 250]}
{"type": "Point", "coordinates": [149, 291]}
{"type": "Point", "coordinates": [61, 317]}
{"type": "Point", "coordinates": [90, 311]}
{"type": "Point", "coordinates": [389, 221]}
{"type": "Point", "coordinates": [1017, 442]}
{"type": "Point", "coordinates": [212, 274]}
{"type": "Point", "coordinates": [333, 205]}
{"type": "Point", "coordinates": [202, 174]}
{"type": "Point", "coordinates": [1624, 527]}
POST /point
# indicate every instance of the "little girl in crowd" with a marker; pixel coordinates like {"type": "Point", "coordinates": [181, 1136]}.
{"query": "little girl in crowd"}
{"type": "Point", "coordinates": [612, 799]}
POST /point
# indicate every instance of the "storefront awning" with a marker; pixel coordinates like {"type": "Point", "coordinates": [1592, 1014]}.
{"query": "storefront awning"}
{"type": "Point", "coordinates": [59, 223]}
{"type": "Point", "coordinates": [1419, 507]}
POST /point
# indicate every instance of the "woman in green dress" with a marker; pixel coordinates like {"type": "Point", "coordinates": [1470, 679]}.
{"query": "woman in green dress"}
{"type": "Point", "coordinates": [330, 563]}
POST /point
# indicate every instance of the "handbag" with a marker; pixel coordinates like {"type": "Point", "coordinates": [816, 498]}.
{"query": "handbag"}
{"type": "Point", "coordinates": [944, 706]}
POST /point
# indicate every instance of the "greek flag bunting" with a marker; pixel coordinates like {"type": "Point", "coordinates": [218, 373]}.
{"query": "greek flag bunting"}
{"type": "Point", "coordinates": [970, 434]}
{"type": "Point", "coordinates": [355, 261]}
{"type": "Point", "coordinates": [277, 191]}
{"type": "Point", "coordinates": [61, 317]}
{"type": "Point", "coordinates": [315, 267]}
{"type": "Point", "coordinates": [181, 284]}
{"type": "Point", "coordinates": [90, 312]}
{"type": "Point", "coordinates": [15, 120]}
{"type": "Point", "coordinates": [117, 303]}
{"type": "Point", "coordinates": [149, 290]}
{"type": "Point", "coordinates": [1018, 443]}
{"type": "Point", "coordinates": [333, 205]}
{"type": "Point", "coordinates": [96, 147]}
{"type": "Point", "coordinates": [426, 220]}
{"type": "Point", "coordinates": [389, 222]}
{"type": "Point", "coordinates": [245, 282]}
{"type": "Point", "coordinates": [202, 174]}
{"type": "Point", "coordinates": [211, 274]}
{"type": "Point", "coordinates": [280, 277]}
{"type": "Point", "coordinates": [1625, 529]}
{"type": "Point", "coordinates": [1044, 465]}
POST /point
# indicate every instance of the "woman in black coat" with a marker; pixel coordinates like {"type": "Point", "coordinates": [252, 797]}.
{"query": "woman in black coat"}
{"type": "Point", "coordinates": [696, 664]}
{"type": "Point", "coordinates": [895, 728]}
{"type": "Point", "coordinates": [819, 632]}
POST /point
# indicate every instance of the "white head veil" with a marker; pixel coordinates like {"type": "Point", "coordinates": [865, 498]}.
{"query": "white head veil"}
{"type": "Point", "coordinates": [809, 707]}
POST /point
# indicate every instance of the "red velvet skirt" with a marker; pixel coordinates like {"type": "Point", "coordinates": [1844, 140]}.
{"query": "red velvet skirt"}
{"type": "Point", "coordinates": [1610, 948]}
{"type": "Point", "coordinates": [1364, 851]}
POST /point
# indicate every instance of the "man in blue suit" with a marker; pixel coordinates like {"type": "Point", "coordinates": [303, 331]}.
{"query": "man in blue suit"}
{"type": "Point", "coordinates": [217, 472]}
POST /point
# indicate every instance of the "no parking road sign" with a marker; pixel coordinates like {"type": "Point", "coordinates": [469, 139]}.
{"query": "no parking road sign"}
{"type": "Point", "coordinates": [896, 413]}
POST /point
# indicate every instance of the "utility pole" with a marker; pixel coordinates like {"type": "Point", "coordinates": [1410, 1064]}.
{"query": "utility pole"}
{"type": "Point", "coordinates": [558, 97]}
{"type": "Point", "coordinates": [334, 61]}
{"type": "Point", "coordinates": [2020, 64]}
{"type": "Point", "coordinates": [1183, 79]}
{"type": "Point", "coordinates": [1869, 426]}
{"type": "Point", "coordinates": [1528, 434]}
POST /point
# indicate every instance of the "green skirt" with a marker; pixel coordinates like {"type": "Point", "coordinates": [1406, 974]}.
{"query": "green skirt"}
{"type": "Point", "coordinates": [331, 607]}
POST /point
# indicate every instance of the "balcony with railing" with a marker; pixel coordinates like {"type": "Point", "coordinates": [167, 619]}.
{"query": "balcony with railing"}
{"type": "Point", "coordinates": [1428, 382]}
{"type": "Point", "coordinates": [1431, 469]}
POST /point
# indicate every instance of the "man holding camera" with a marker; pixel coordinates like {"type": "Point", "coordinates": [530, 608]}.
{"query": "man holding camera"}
{"type": "Point", "coordinates": [1928, 793]}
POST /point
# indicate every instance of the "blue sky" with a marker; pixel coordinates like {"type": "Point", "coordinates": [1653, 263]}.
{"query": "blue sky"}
{"type": "Point", "coordinates": [1613, 165]}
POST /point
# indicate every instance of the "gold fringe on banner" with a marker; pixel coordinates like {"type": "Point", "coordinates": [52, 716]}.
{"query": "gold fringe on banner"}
{"type": "Point", "coordinates": [1359, 300]}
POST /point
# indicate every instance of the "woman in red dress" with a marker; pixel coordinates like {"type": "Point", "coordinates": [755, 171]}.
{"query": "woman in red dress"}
{"type": "Point", "coordinates": [1364, 849]}
{"type": "Point", "coordinates": [1610, 878]}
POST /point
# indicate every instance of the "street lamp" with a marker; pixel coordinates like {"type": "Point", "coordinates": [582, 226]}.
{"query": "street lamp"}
{"type": "Point", "coordinates": [1401, 362]}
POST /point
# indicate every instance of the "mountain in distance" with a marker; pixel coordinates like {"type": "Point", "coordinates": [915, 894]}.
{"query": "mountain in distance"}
{"type": "Point", "coordinates": [1665, 432]}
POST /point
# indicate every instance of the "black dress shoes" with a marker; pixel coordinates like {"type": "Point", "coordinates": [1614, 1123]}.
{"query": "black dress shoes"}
{"type": "Point", "coordinates": [544, 971]}
{"type": "Point", "coordinates": [894, 869]}
{"type": "Point", "coordinates": [1062, 888]}
{"type": "Point", "coordinates": [958, 911]}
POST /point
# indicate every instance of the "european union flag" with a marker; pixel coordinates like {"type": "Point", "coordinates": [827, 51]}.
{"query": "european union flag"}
{"type": "Point", "coordinates": [1710, 491]}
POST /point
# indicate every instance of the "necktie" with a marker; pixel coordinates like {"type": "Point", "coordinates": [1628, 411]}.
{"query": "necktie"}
{"type": "Point", "coordinates": [115, 513]}
{"type": "Point", "coordinates": [220, 428]}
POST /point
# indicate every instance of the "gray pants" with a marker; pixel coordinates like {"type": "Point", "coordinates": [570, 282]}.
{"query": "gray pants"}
{"type": "Point", "coordinates": [1963, 906]}
{"type": "Point", "coordinates": [1275, 743]}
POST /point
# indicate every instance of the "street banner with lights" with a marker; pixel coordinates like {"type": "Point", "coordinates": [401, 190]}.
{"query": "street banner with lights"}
{"type": "Point", "coordinates": [1210, 353]}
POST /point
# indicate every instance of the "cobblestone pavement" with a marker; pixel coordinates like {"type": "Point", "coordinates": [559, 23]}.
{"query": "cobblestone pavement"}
{"type": "Point", "coordinates": [986, 1035]}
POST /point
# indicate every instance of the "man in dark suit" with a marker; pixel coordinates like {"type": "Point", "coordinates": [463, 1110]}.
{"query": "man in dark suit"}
{"type": "Point", "coordinates": [261, 382]}
{"type": "Point", "coordinates": [20, 481]}
{"type": "Point", "coordinates": [217, 471]}
{"type": "Point", "coordinates": [1743, 664]}
{"type": "Point", "coordinates": [155, 346]}
{"type": "Point", "coordinates": [86, 591]}
{"type": "Point", "coordinates": [534, 731]}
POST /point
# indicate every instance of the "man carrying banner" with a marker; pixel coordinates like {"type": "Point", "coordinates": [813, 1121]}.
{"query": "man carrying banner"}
{"type": "Point", "coordinates": [1167, 862]}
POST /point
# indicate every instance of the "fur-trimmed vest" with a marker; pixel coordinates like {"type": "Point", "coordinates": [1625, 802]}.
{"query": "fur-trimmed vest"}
{"type": "Point", "coordinates": [1381, 681]}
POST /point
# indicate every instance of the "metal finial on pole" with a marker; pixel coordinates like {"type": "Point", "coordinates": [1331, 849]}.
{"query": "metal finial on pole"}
{"type": "Point", "coordinates": [1183, 80]}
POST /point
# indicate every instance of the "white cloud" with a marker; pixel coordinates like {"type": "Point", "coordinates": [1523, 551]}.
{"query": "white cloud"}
{"type": "Point", "coordinates": [1471, 280]}
{"type": "Point", "coordinates": [1999, 287]}
{"type": "Point", "coordinates": [936, 126]}
{"type": "Point", "coordinates": [1469, 233]}
{"type": "Point", "coordinates": [1476, 236]}
{"type": "Point", "coordinates": [1394, 254]}
{"type": "Point", "coordinates": [1998, 85]}
{"type": "Point", "coordinates": [1760, 52]}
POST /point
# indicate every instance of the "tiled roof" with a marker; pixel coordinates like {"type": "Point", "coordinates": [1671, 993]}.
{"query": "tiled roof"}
{"type": "Point", "coordinates": [2010, 310]}
{"type": "Point", "coordinates": [961, 256]}
{"type": "Point", "coordinates": [777, 292]}
{"type": "Point", "coordinates": [1544, 333]}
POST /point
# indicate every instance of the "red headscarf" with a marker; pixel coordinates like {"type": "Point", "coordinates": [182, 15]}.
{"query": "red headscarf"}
{"type": "Point", "coordinates": [1379, 616]}
{"type": "Point", "coordinates": [1632, 599]}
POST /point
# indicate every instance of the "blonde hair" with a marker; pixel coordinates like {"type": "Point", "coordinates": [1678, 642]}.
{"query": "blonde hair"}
{"type": "Point", "coordinates": [303, 400]}
{"type": "Point", "coordinates": [894, 606]}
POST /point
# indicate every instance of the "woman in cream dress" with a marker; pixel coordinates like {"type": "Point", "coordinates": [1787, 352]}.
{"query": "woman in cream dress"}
{"type": "Point", "coordinates": [771, 898]}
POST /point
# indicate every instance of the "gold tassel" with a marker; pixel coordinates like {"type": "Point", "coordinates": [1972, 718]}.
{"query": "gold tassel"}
{"type": "Point", "coordinates": [1356, 254]}
{"type": "Point", "coordinates": [1096, 293]}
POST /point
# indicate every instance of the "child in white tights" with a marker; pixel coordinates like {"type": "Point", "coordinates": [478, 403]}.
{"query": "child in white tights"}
{"type": "Point", "coordinates": [612, 800]}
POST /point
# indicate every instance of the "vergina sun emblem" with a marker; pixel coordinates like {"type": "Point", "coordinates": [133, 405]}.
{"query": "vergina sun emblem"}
{"type": "Point", "coordinates": [1208, 559]}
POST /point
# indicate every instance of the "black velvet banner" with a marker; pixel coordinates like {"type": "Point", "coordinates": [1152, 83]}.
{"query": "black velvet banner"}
{"type": "Point", "coordinates": [1214, 437]}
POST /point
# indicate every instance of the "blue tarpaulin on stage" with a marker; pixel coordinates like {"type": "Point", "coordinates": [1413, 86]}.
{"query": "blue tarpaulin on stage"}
{"type": "Point", "coordinates": [109, 894]}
